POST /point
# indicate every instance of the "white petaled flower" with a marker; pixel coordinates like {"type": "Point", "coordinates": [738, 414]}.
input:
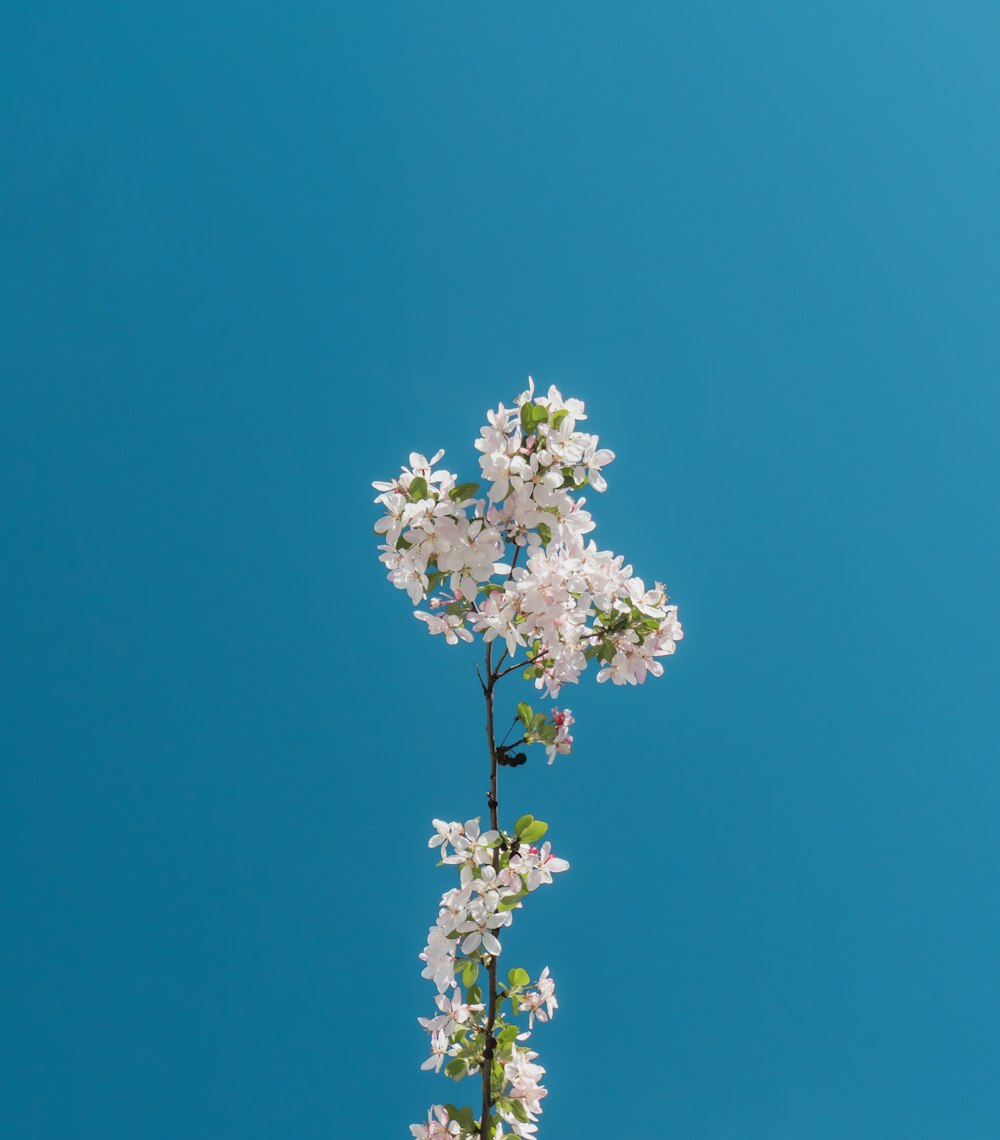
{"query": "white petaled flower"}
{"type": "Point", "coordinates": [455, 1013]}
{"type": "Point", "coordinates": [439, 1050]}
{"type": "Point", "coordinates": [537, 866]}
{"type": "Point", "coordinates": [591, 462]}
{"type": "Point", "coordinates": [454, 908]}
{"type": "Point", "coordinates": [439, 954]}
{"type": "Point", "coordinates": [445, 833]}
{"type": "Point", "coordinates": [423, 466]}
{"type": "Point", "coordinates": [451, 625]}
{"type": "Point", "coordinates": [479, 927]}
{"type": "Point", "coordinates": [438, 1127]}
{"type": "Point", "coordinates": [540, 1002]}
{"type": "Point", "coordinates": [473, 847]}
{"type": "Point", "coordinates": [524, 1078]}
{"type": "Point", "coordinates": [563, 743]}
{"type": "Point", "coordinates": [491, 886]}
{"type": "Point", "coordinates": [496, 617]}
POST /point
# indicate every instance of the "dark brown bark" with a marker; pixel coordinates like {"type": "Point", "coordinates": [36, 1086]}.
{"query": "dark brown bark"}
{"type": "Point", "coordinates": [492, 802]}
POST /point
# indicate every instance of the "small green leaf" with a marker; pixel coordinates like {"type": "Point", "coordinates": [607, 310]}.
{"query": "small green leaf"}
{"type": "Point", "coordinates": [558, 418]}
{"type": "Point", "coordinates": [463, 491]}
{"type": "Point", "coordinates": [517, 1109]}
{"type": "Point", "coordinates": [544, 533]}
{"type": "Point", "coordinates": [474, 996]}
{"type": "Point", "coordinates": [524, 822]}
{"type": "Point", "coordinates": [531, 416]}
{"type": "Point", "coordinates": [524, 713]}
{"type": "Point", "coordinates": [418, 488]}
{"type": "Point", "coordinates": [507, 1034]}
{"type": "Point", "coordinates": [455, 1069]}
{"type": "Point", "coordinates": [505, 1104]}
{"type": "Point", "coordinates": [470, 971]}
{"type": "Point", "coordinates": [534, 832]}
{"type": "Point", "coordinates": [518, 977]}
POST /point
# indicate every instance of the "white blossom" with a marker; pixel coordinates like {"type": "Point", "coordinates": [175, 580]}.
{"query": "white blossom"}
{"type": "Point", "coordinates": [438, 1126]}
{"type": "Point", "coordinates": [540, 1002]}
{"type": "Point", "coordinates": [563, 743]}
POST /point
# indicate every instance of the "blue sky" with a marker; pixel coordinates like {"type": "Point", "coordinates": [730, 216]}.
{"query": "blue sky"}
{"type": "Point", "coordinates": [253, 257]}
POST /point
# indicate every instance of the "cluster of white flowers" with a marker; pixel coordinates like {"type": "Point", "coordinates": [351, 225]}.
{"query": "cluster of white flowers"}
{"type": "Point", "coordinates": [569, 602]}
{"type": "Point", "coordinates": [497, 871]}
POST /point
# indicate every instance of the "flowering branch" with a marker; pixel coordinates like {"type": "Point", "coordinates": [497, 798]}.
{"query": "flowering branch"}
{"type": "Point", "coordinates": [568, 605]}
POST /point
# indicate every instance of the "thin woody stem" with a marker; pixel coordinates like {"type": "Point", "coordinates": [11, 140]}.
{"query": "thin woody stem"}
{"type": "Point", "coordinates": [493, 674]}
{"type": "Point", "coordinates": [491, 1014]}
{"type": "Point", "coordinates": [541, 653]}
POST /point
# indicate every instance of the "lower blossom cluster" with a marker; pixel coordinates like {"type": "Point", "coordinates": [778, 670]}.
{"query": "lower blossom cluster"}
{"type": "Point", "coordinates": [497, 871]}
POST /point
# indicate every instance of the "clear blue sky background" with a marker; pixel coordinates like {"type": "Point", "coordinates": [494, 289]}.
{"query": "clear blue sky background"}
{"type": "Point", "coordinates": [252, 254]}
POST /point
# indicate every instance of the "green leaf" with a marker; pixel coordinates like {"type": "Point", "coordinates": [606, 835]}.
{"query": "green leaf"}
{"type": "Point", "coordinates": [531, 416]}
{"type": "Point", "coordinates": [534, 832]}
{"type": "Point", "coordinates": [456, 1069]}
{"type": "Point", "coordinates": [518, 977]}
{"type": "Point", "coordinates": [463, 1116]}
{"type": "Point", "coordinates": [518, 1110]}
{"type": "Point", "coordinates": [544, 533]}
{"type": "Point", "coordinates": [418, 488]}
{"type": "Point", "coordinates": [505, 1104]}
{"type": "Point", "coordinates": [470, 971]}
{"type": "Point", "coordinates": [507, 1034]}
{"type": "Point", "coordinates": [463, 491]}
{"type": "Point", "coordinates": [537, 721]}
{"type": "Point", "coordinates": [456, 608]}
{"type": "Point", "coordinates": [558, 418]}
{"type": "Point", "coordinates": [474, 996]}
{"type": "Point", "coordinates": [524, 713]}
{"type": "Point", "coordinates": [524, 822]}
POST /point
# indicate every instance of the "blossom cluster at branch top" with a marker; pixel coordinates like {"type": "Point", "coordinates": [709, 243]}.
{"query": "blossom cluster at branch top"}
{"type": "Point", "coordinates": [497, 870]}
{"type": "Point", "coordinates": [567, 603]}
